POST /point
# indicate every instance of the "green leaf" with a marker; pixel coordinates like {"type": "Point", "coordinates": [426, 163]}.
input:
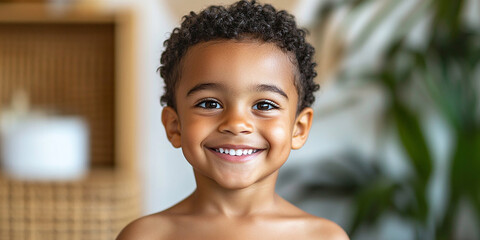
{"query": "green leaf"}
{"type": "Point", "coordinates": [437, 82]}
{"type": "Point", "coordinates": [413, 141]}
{"type": "Point", "coordinates": [411, 202]}
{"type": "Point", "coordinates": [474, 58]}
{"type": "Point", "coordinates": [357, 3]}
{"type": "Point", "coordinates": [476, 168]}
{"type": "Point", "coordinates": [464, 179]}
{"type": "Point", "coordinates": [465, 169]}
{"type": "Point", "coordinates": [372, 202]}
{"type": "Point", "coordinates": [448, 15]}
{"type": "Point", "coordinates": [421, 205]}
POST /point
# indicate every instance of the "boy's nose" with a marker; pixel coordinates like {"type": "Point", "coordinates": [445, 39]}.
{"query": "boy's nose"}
{"type": "Point", "coordinates": [236, 122]}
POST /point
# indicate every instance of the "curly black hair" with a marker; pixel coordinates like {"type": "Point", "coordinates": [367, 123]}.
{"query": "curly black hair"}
{"type": "Point", "coordinates": [241, 20]}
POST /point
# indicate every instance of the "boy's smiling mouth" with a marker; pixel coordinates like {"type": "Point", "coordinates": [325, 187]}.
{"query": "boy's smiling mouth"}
{"type": "Point", "coordinates": [232, 153]}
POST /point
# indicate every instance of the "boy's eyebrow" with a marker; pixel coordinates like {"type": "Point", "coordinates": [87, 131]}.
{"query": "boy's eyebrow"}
{"type": "Point", "coordinates": [270, 88]}
{"type": "Point", "coordinates": [204, 86]}
{"type": "Point", "coordinates": [257, 88]}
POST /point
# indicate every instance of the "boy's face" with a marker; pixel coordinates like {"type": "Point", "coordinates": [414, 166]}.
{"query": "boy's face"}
{"type": "Point", "coordinates": [240, 97]}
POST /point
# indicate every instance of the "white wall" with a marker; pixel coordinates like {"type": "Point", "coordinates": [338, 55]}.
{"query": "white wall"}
{"type": "Point", "coordinates": [167, 177]}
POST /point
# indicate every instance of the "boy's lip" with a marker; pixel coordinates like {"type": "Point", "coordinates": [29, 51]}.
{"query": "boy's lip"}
{"type": "Point", "coordinates": [232, 146]}
{"type": "Point", "coordinates": [254, 151]}
{"type": "Point", "coordinates": [236, 158]}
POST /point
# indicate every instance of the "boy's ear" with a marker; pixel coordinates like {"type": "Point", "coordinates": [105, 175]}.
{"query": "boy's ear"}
{"type": "Point", "coordinates": [303, 122]}
{"type": "Point", "coordinates": [172, 126]}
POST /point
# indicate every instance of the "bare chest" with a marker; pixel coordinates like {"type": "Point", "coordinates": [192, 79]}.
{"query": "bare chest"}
{"type": "Point", "coordinates": [214, 229]}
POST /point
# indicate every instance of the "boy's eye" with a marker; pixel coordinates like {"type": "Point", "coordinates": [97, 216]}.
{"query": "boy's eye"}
{"type": "Point", "coordinates": [209, 104]}
{"type": "Point", "coordinates": [265, 106]}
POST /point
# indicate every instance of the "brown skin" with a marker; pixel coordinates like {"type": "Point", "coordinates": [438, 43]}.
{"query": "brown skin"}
{"type": "Point", "coordinates": [235, 196]}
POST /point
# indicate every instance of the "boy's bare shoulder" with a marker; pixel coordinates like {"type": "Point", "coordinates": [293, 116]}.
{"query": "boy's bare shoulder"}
{"type": "Point", "coordinates": [326, 229]}
{"type": "Point", "coordinates": [155, 226]}
{"type": "Point", "coordinates": [315, 227]}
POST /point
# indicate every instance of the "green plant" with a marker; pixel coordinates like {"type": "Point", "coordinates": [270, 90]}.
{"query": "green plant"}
{"type": "Point", "coordinates": [446, 69]}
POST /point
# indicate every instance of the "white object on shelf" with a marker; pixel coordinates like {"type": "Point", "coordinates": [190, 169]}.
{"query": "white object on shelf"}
{"type": "Point", "coordinates": [38, 146]}
{"type": "Point", "coordinates": [46, 148]}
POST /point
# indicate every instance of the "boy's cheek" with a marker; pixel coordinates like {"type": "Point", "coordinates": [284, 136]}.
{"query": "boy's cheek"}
{"type": "Point", "coordinates": [276, 132]}
{"type": "Point", "coordinates": [195, 130]}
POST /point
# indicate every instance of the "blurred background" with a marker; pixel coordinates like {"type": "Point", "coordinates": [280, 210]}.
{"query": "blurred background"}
{"type": "Point", "coordinates": [394, 152]}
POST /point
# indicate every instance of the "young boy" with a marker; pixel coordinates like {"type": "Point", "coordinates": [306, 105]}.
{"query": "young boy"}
{"type": "Point", "coordinates": [239, 85]}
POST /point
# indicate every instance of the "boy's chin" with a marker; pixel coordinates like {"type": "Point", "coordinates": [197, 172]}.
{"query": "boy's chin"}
{"type": "Point", "coordinates": [234, 184]}
{"type": "Point", "coordinates": [243, 183]}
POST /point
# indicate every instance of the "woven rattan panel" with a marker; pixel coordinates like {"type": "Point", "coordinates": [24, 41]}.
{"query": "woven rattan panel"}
{"type": "Point", "coordinates": [67, 68]}
{"type": "Point", "coordinates": [96, 208]}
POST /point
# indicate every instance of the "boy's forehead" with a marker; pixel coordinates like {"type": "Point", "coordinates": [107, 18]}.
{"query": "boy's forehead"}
{"type": "Point", "coordinates": [231, 45]}
{"type": "Point", "coordinates": [249, 55]}
{"type": "Point", "coordinates": [240, 60]}
{"type": "Point", "coordinates": [221, 52]}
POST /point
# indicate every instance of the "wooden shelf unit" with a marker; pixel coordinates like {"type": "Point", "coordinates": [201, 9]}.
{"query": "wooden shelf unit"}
{"type": "Point", "coordinates": [78, 60]}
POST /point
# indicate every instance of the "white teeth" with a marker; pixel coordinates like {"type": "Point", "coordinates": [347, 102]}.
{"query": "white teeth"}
{"type": "Point", "coordinates": [236, 152]}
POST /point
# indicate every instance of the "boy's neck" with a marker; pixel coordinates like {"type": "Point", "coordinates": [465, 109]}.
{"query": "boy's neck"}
{"type": "Point", "coordinates": [211, 198]}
